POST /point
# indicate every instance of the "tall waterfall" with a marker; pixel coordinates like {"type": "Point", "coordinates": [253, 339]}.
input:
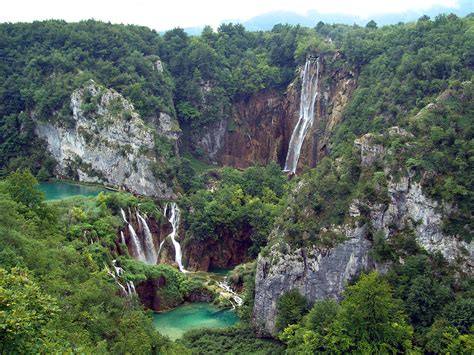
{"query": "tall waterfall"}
{"type": "Point", "coordinates": [174, 220]}
{"type": "Point", "coordinates": [141, 242]}
{"type": "Point", "coordinates": [309, 92]}
{"type": "Point", "coordinates": [150, 252]}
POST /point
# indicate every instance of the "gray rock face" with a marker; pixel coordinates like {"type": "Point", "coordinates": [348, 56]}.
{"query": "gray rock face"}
{"type": "Point", "coordinates": [317, 274]}
{"type": "Point", "coordinates": [370, 153]}
{"type": "Point", "coordinates": [410, 207]}
{"type": "Point", "coordinates": [211, 139]}
{"type": "Point", "coordinates": [109, 143]}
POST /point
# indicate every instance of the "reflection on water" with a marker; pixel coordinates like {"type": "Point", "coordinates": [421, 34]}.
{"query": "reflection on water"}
{"type": "Point", "coordinates": [176, 322]}
{"type": "Point", "coordinates": [58, 190]}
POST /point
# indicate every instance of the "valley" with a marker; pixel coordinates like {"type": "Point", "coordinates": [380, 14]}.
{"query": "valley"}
{"type": "Point", "coordinates": [299, 190]}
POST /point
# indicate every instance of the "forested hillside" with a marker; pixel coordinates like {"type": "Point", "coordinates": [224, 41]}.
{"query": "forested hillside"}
{"type": "Point", "coordinates": [367, 248]}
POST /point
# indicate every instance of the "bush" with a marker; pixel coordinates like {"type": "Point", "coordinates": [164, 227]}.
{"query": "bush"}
{"type": "Point", "coordinates": [291, 307]}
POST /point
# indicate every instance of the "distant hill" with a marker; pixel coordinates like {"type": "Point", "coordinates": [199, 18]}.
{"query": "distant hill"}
{"type": "Point", "coordinates": [266, 21]}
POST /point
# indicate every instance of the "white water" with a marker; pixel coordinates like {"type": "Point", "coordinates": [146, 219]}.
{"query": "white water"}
{"type": "Point", "coordinates": [161, 246]}
{"type": "Point", "coordinates": [237, 299]}
{"type": "Point", "coordinates": [115, 275]}
{"type": "Point", "coordinates": [136, 243]}
{"type": "Point", "coordinates": [123, 215]}
{"type": "Point", "coordinates": [122, 238]}
{"type": "Point", "coordinates": [131, 287]}
{"type": "Point", "coordinates": [309, 92]}
{"type": "Point", "coordinates": [150, 252]}
{"type": "Point", "coordinates": [174, 220]}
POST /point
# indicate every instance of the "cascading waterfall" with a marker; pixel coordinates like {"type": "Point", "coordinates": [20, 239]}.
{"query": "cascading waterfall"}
{"type": "Point", "coordinates": [123, 215]}
{"type": "Point", "coordinates": [136, 243]}
{"type": "Point", "coordinates": [150, 252]}
{"type": "Point", "coordinates": [116, 274]}
{"type": "Point", "coordinates": [309, 92]}
{"type": "Point", "coordinates": [161, 246]}
{"type": "Point", "coordinates": [174, 220]}
{"type": "Point", "coordinates": [233, 295]}
{"type": "Point", "coordinates": [122, 238]}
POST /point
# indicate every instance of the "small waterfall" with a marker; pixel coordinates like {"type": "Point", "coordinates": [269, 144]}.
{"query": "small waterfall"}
{"type": "Point", "coordinates": [122, 238]}
{"type": "Point", "coordinates": [139, 219]}
{"type": "Point", "coordinates": [118, 271]}
{"type": "Point", "coordinates": [150, 252]}
{"type": "Point", "coordinates": [309, 92]}
{"type": "Point", "coordinates": [234, 296]}
{"type": "Point", "coordinates": [123, 215]}
{"type": "Point", "coordinates": [131, 288]}
{"type": "Point", "coordinates": [161, 246]}
{"type": "Point", "coordinates": [136, 243]}
{"type": "Point", "coordinates": [174, 220]}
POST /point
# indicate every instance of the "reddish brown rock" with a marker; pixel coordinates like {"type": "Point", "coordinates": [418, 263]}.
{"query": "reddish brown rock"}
{"type": "Point", "coordinates": [260, 127]}
{"type": "Point", "coordinates": [147, 292]}
{"type": "Point", "coordinates": [227, 251]}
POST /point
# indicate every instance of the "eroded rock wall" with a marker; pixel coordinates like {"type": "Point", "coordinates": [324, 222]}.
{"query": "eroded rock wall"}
{"type": "Point", "coordinates": [322, 273]}
{"type": "Point", "coordinates": [259, 128]}
{"type": "Point", "coordinates": [316, 273]}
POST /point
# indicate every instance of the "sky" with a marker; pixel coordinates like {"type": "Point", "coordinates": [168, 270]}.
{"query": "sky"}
{"type": "Point", "coordinates": [162, 15]}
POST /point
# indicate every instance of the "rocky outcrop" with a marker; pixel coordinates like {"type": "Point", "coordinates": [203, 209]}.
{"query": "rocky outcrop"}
{"type": "Point", "coordinates": [410, 207]}
{"type": "Point", "coordinates": [147, 292]}
{"type": "Point", "coordinates": [316, 273]}
{"type": "Point", "coordinates": [106, 142]}
{"type": "Point", "coordinates": [228, 250]}
{"type": "Point", "coordinates": [260, 128]}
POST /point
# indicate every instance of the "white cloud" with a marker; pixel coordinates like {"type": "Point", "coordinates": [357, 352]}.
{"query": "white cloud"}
{"type": "Point", "coordinates": [188, 13]}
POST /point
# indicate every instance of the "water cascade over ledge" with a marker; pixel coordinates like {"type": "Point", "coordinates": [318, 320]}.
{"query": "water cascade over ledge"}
{"type": "Point", "coordinates": [150, 252]}
{"type": "Point", "coordinates": [174, 213]}
{"type": "Point", "coordinates": [142, 242]}
{"type": "Point", "coordinates": [309, 92]}
{"type": "Point", "coordinates": [116, 272]}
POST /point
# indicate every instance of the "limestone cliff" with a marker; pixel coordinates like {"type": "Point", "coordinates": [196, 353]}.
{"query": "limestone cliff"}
{"type": "Point", "coordinates": [316, 273]}
{"type": "Point", "coordinates": [320, 272]}
{"type": "Point", "coordinates": [106, 142]}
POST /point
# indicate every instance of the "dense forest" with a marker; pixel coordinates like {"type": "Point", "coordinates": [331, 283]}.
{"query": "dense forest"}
{"type": "Point", "coordinates": [57, 293]}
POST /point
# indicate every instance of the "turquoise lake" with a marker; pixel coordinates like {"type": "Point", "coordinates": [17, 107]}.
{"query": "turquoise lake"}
{"type": "Point", "coordinates": [176, 322]}
{"type": "Point", "coordinates": [59, 190]}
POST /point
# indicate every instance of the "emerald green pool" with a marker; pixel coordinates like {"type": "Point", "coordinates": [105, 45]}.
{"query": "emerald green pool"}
{"type": "Point", "coordinates": [176, 322]}
{"type": "Point", "coordinates": [59, 190]}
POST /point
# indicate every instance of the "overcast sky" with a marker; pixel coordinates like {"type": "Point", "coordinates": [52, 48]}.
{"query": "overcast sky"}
{"type": "Point", "coordinates": [162, 15]}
